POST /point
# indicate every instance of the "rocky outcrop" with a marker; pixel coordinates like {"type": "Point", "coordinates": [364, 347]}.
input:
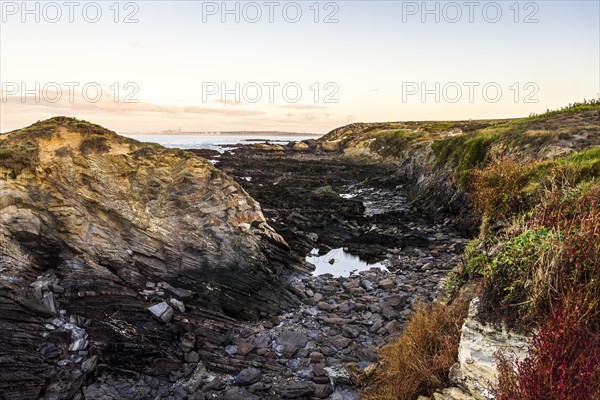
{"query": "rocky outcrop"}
{"type": "Point", "coordinates": [475, 373]}
{"type": "Point", "coordinates": [111, 250]}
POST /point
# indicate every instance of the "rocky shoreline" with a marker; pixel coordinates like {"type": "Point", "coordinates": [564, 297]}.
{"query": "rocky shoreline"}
{"type": "Point", "coordinates": [138, 272]}
{"type": "Point", "coordinates": [326, 348]}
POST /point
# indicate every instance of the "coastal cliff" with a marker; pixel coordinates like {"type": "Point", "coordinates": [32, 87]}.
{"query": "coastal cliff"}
{"type": "Point", "coordinates": [95, 229]}
{"type": "Point", "coordinates": [527, 191]}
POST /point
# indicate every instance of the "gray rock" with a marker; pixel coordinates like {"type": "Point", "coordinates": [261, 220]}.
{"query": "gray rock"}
{"type": "Point", "coordinates": [187, 342]}
{"type": "Point", "coordinates": [248, 377]}
{"type": "Point", "coordinates": [316, 357]}
{"type": "Point", "coordinates": [323, 391]}
{"type": "Point", "coordinates": [294, 338]}
{"type": "Point", "coordinates": [262, 340]}
{"type": "Point", "coordinates": [162, 311]}
{"type": "Point", "coordinates": [89, 365]}
{"type": "Point", "coordinates": [191, 357]}
{"type": "Point", "coordinates": [340, 342]}
{"type": "Point", "coordinates": [79, 344]}
{"type": "Point", "coordinates": [295, 390]}
{"type": "Point", "coordinates": [177, 304]}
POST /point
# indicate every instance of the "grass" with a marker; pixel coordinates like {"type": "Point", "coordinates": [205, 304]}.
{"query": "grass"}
{"type": "Point", "coordinates": [536, 261]}
{"type": "Point", "coordinates": [392, 143]}
{"type": "Point", "coordinates": [418, 361]}
{"type": "Point", "coordinates": [586, 105]}
{"type": "Point", "coordinates": [20, 150]}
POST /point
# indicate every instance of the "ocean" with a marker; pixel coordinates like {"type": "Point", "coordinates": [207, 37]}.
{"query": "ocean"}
{"type": "Point", "coordinates": [218, 141]}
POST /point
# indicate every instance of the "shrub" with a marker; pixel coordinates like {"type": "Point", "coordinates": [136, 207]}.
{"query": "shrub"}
{"type": "Point", "coordinates": [419, 360]}
{"type": "Point", "coordinates": [508, 292]}
{"type": "Point", "coordinates": [586, 105]}
{"type": "Point", "coordinates": [63, 151]}
{"type": "Point", "coordinates": [565, 172]}
{"type": "Point", "coordinates": [575, 214]}
{"type": "Point", "coordinates": [17, 156]}
{"type": "Point", "coordinates": [498, 188]}
{"type": "Point", "coordinates": [94, 144]}
{"type": "Point", "coordinates": [474, 260]}
{"type": "Point", "coordinates": [563, 363]}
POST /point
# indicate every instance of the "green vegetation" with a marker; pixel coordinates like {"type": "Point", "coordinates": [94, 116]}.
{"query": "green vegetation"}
{"type": "Point", "coordinates": [45, 129]}
{"type": "Point", "coordinates": [19, 150]}
{"type": "Point", "coordinates": [94, 144]}
{"type": "Point", "coordinates": [535, 183]}
{"type": "Point", "coordinates": [586, 105]}
{"type": "Point", "coordinates": [17, 156]}
{"type": "Point", "coordinates": [390, 143]}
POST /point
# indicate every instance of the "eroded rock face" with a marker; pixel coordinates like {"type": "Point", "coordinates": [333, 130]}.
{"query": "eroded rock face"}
{"type": "Point", "coordinates": [475, 373]}
{"type": "Point", "coordinates": [90, 229]}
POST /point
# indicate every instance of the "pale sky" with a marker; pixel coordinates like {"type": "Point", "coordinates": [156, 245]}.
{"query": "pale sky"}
{"type": "Point", "coordinates": [371, 61]}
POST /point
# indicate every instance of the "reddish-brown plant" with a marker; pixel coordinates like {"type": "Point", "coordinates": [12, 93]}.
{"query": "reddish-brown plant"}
{"type": "Point", "coordinates": [563, 363]}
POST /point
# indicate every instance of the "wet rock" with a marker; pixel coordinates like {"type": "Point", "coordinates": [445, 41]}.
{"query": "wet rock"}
{"type": "Point", "coordinates": [79, 344]}
{"type": "Point", "coordinates": [90, 364]}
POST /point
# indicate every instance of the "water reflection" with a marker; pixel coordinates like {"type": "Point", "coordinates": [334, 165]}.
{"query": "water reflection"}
{"type": "Point", "coordinates": [338, 263]}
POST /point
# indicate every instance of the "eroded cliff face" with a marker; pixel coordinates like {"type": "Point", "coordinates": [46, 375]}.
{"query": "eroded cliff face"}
{"type": "Point", "coordinates": [475, 374]}
{"type": "Point", "coordinates": [97, 228]}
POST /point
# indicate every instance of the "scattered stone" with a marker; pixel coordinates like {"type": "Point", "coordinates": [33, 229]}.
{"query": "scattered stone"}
{"type": "Point", "coordinates": [316, 357]}
{"type": "Point", "coordinates": [89, 365]}
{"type": "Point", "coordinates": [323, 391]}
{"type": "Point", "coordinates": [295, 391]}
{"type": "Point", "coordinates": [387, 284]}
{"type": "Point", "coordinates": [248, 377]}
{"type": "Point", "coordinates": [177, 304]}
{"type": "Point", "coordinates": [162, 311]}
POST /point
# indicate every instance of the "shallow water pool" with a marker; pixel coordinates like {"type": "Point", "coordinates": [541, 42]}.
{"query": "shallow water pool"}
{"type": "Point", "coordinates": [338, 263]}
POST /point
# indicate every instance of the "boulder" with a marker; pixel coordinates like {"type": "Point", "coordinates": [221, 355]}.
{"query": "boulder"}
{"type": "Point", "coordinates": [248, 376]}
{"type": "Point", "coordinates": [300, 146]}
{"type": "Point", "coordinates": [330, 146]}
{"type": "Point", "coordinates": [162, 311]}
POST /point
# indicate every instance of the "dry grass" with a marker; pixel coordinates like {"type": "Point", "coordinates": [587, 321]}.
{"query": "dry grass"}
{"type": "Point", "coordinates": [419, 360]}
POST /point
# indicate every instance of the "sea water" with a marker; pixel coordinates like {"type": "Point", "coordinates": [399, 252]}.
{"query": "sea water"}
{"type": "Point", "coordinates": [217, 141]}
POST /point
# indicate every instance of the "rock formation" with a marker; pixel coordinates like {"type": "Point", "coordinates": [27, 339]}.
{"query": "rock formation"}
{"type": "Point", "coordinates": [111, 250]}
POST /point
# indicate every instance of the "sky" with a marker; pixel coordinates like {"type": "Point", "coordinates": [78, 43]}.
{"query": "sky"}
{"type": "Point", "coordinates": [304, 66]}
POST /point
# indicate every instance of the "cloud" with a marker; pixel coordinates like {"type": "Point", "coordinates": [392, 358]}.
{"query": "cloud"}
{"type": "Point", "coordinates": [301, 106]}
{"type": "Point", "coordinates": [106, 102]}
